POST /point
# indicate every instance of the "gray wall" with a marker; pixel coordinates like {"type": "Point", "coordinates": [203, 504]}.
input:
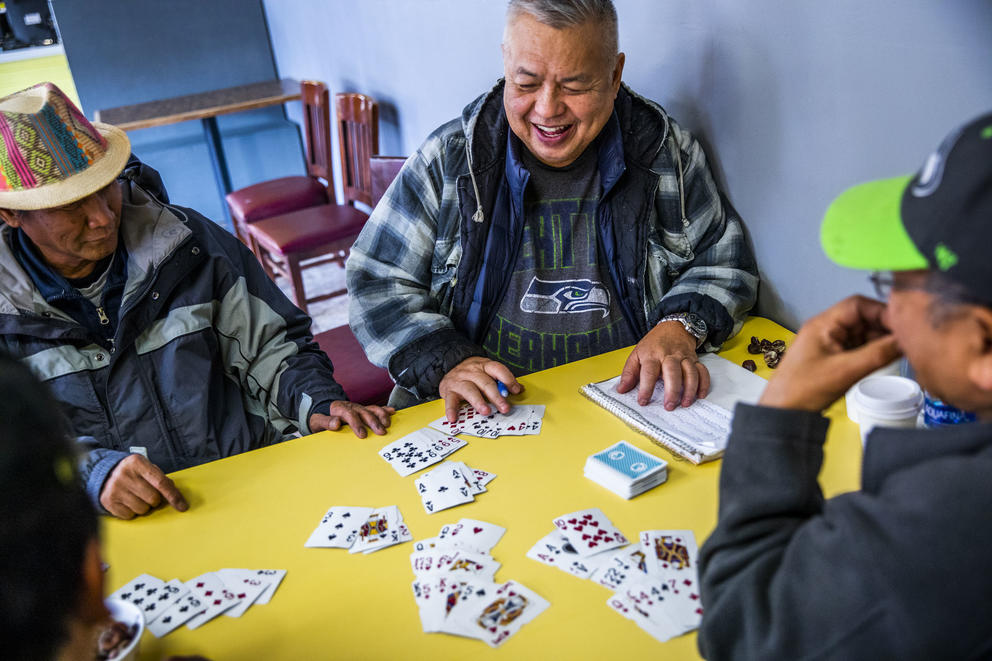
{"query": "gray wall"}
{"type": "Point", "coordinates": [794, 99]}
{"type": "Point", "coordinates": [122, 53]}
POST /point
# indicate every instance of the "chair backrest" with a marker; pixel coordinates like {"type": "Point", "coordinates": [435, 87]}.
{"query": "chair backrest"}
{"type": "Point", "coordinates": [317, 125]}
{"type": "Point", "coordinates": [383, 170]}
{"type": "Point", "coordinates": [358, 138]}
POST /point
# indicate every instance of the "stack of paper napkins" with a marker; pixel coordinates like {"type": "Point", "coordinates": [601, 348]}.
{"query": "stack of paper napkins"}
{"type": "Point", "coordinates": [625, 470]}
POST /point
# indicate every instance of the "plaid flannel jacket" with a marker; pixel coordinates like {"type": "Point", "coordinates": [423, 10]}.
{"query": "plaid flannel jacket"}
{"type": "Point", "coordinates": [414, 273]}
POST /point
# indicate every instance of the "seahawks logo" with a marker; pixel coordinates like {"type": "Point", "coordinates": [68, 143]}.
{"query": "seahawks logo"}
{"type": "Point", "coordinates": [933, 170]}
{"type": "Point", "coordinates": [571, 296]}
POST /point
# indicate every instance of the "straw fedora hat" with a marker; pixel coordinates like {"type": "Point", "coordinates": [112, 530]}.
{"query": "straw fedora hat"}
{"type": "Point", "coordinates": [50, 154]}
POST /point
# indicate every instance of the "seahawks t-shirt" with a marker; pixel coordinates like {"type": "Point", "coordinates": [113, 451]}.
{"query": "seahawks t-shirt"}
{"type": "Point", "coordinates": [559, 305]}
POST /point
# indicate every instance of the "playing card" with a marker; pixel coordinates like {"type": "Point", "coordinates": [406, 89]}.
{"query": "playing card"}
{"type": "Point", "coordinates": [426, 544]}
{"type": "Point", "coordinates": [139, 590]}
{"type": "Point", "coordinates": [472, 534]}
{"type": "Point", "coordinates": [409, 454]}
{"type": "Point", "coordinates": [339, 527]}
{"type": "Point", "coordinates": [246, 586]}
{"type": "Point", "coordinates": [443, 487]}
{"type": "Point", "coordinates": [621, 567]}
{"type": "Point", "coordinates": [555, 550]}
{"type": "Point", "coordinates": [675, 554]}
{"type": "Point", "coordinates": [176, 615]}
{"type": "Point", "coordinates": [589, 531]}
{"type": "Point", "coordinates": [482, 478]}
{"type": "Point", "coordinates": [380, 528]}
{"type": "Point", "coordinates": [431, 562]}
{"type": "Point", "coordinates": [273, 578]}
{"type": "Point", "coordinates": [399, 534]}
{"type": "Point", "coordinates": [502, 613]}
{"type": "Point", "coordinates": [167, 595]}
{"type": "Point", "coordinates": [463, 600]}
{"type": "Point", "coordinates": [468, 421]}
{"type": "Point", "coordinates": [647, 606]}
{"type": "Point", "coordinates": [474, 487]}
{"type": "Point", "coordinates": [213, 596]}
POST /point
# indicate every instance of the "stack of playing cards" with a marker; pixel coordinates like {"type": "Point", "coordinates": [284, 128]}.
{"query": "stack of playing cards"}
{"type": "Point", "coordinates": [625, 470]}
{"type": "Point", "coordinates": [420, 449]}
{"type": "Point", "coordinates": [451, 484]}
{"type": "Point", "coordinates": [522, 419]}
{"type": "Point", "coordinates": [654, 583]}
{"type": "Point", "coordinates": [454, 588]}
{"type": "Point", "coordinates": [167, 606]}
{"type": "Point", "coordinates": [360, 529]}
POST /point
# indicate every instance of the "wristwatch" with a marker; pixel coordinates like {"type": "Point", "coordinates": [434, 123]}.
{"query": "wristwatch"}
{"type": "Point", "coordinates": [694, 325]}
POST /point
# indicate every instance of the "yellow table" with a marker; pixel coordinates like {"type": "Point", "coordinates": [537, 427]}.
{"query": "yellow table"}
{"type": "Point", "coordinates": [256, 510]}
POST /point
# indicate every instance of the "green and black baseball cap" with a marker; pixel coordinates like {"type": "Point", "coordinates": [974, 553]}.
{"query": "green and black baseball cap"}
{"type": "Point", "coordinates": [938, 219]}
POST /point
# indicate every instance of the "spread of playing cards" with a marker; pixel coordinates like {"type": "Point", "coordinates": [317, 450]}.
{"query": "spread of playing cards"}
{"type": "Point", "coordinates": [360, 529]}
{"type": "Point", "coordinates": [456, 593]}
{"type": "Point", "coordinates": [521, 420]}
{"type": "Point", "coordinates": [654, 583]}
{"type": "Point", "coordinates": [167, 606]}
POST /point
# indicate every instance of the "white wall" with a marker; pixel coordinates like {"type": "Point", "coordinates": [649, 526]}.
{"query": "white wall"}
{"type": "Point", "coordinates": [794, 99]}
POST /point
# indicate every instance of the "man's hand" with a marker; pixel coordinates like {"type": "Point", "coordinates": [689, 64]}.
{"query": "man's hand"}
{"type": "Point", "coordinates": [474, 380]}
{"type": "Point", "coordinates": [832, 352]}
{"type": "Point", "coordinates": [668, 351]}
{"type": "Point", "coordinates": [355, 416]}
{"type": "Point", "coordinates": [135, 486]}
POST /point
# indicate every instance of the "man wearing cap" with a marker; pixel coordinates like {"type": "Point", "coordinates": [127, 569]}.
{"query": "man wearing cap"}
{"type": "Point", "coordinates": [158, 332]}
{"type": "Point", "coordinates": [899, 569]}
{"type": "Point", "coordinates": [562, 216]}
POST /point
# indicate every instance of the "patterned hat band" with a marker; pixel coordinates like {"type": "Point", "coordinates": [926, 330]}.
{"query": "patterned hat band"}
{"type": "Point", "coordinates": [50, 154]}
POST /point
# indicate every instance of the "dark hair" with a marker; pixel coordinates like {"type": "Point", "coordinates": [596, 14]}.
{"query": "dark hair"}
{"type": "Point", "coordinates": [950, 297]}
{"type": "Point", "coordinates": [46, 520]}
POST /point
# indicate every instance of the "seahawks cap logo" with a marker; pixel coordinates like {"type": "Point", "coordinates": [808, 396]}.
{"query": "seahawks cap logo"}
{"type": "Point", "coordinates": [932, 173]}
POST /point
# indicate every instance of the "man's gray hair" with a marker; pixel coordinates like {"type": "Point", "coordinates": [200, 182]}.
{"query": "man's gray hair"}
{"type": "Point", "coordinates": [560, 14]}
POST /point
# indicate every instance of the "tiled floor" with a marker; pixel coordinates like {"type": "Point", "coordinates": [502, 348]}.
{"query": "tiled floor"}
{"type": "Point", "coordinates": [316, 280]}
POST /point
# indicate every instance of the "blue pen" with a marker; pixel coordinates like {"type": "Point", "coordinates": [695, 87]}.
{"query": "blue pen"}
{"type": "Point", "coordinates": [502, 389]}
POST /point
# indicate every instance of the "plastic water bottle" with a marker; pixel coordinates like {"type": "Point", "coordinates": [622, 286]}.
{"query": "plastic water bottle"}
{"type": "Point", "coordinates": [938, 414]}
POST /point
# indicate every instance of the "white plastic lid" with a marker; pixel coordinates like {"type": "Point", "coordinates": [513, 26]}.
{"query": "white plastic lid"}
{"type": "Point", "coordinates": [888, 397]}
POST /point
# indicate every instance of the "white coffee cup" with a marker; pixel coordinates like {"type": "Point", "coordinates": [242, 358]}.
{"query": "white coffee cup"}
{"type": "Point", "coordinates": [886, 401]}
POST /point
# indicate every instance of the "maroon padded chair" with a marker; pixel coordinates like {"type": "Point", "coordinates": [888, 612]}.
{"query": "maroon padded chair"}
{"type": "Point", "coordinates": [327, 231]}
{"type": "Point", "coordinates": [364, 382]}
{"type": "Point", "coordinates": [382, 170]}
{"type": "Point", "coordinates": [278, 196]}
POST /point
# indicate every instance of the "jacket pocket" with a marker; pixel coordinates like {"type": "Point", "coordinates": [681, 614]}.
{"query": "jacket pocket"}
{"type": "Point", "coordinates": [444, 267]}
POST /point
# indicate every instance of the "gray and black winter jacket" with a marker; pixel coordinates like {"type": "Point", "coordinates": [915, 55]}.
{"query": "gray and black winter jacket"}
{"type": "Point", "coordinates": [208, 358]}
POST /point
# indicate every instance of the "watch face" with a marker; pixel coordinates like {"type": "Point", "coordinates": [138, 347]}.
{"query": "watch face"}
{"type": "Point", "coordinates": [695, 325]}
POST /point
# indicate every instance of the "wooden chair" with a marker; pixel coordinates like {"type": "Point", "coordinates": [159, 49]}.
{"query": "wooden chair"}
{"type": "Point", "coordinates": [382, 170]}
{"type": "Point", "coordinates": [358, 139]}
{"type": "Point", "coordinates": [327, 231]}
{"type": "Point", "coordinates": [286, 194]}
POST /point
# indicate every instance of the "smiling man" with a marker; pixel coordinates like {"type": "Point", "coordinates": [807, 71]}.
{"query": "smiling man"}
{"type": "Point", "coordinates": [560, 217]}
{"type": "Point", "coordinates": [160, 335]}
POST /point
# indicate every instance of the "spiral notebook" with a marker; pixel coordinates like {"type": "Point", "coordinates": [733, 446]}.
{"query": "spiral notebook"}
{"type": "Point", "coordinates": [699, 432]}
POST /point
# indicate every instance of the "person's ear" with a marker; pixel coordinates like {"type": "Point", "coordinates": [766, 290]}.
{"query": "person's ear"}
{"type": "Point", "coordinates": [91, 606]}
{"type": "Point", "coordinates": [980, 367]}
{"type": "Point", "coordinates": [618, 72]}
{"type": "Point", "coordinates": [10, 217]}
